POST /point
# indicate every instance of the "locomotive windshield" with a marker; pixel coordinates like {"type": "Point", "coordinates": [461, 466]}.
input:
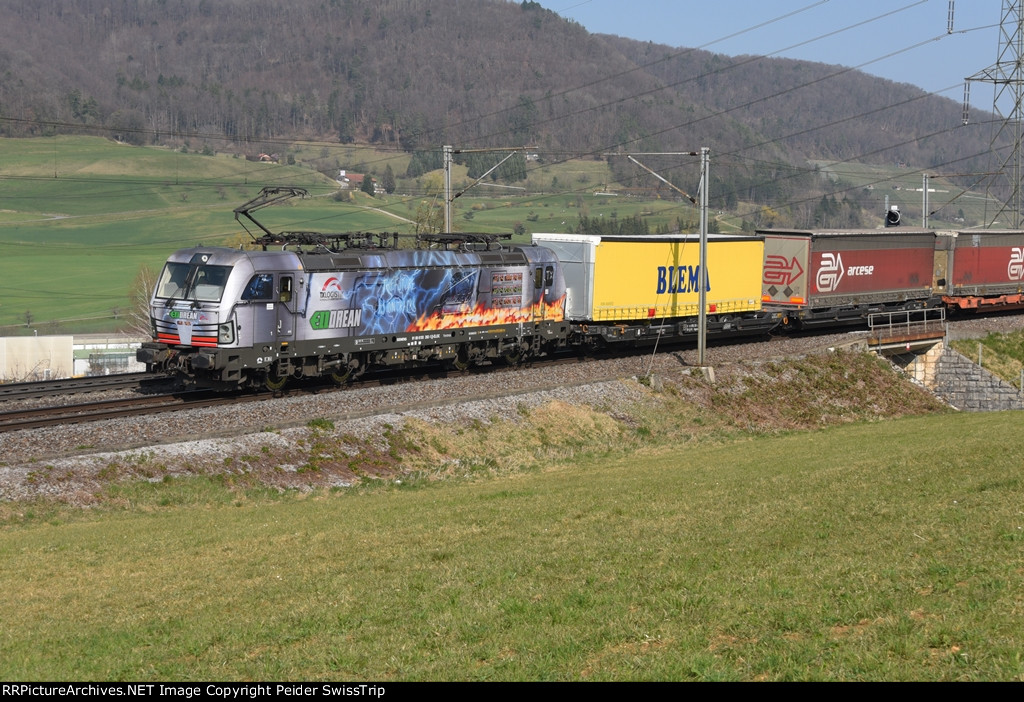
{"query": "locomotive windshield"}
{"type": "Point", "coordinates": [189, 281]}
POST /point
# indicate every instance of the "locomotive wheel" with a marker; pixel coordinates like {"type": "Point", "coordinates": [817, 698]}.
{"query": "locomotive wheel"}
{"type": "Point", "coordinates": [341, 378]}
{"type": "Point", "coordinates": [275, 382]}
{"type": "Point", "coordinates": [461, 361]}
{"type": "Point", "coordinates": [513, 357]}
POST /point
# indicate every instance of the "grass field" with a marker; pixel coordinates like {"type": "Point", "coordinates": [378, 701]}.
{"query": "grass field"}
{"type": "Point", "coordinates": [878, 551]}
{"type": "Point", "coordinates": [999, 354]}
{"type": "Point", "coordinates": [946, 200]}
{"type": "Point", "coordinates": [80, 215]}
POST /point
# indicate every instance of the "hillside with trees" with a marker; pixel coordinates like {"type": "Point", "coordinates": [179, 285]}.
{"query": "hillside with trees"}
{"type": "Point", "coordinates": [414, 74]}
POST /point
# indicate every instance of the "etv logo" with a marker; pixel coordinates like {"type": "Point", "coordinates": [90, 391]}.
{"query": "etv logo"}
{"type": "Point", "coordinates": [1015, 269]}
{"type": "Point", "coordinates": [830, 272]}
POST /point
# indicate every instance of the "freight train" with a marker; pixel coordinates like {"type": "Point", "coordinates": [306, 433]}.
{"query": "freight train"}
{"type": "Point", "coordinates": [227, 318]}
{"type": "Point", "coordinates": [339, 305]}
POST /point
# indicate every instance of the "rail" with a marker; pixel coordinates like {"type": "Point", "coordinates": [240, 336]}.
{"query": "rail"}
{"type": "Point", "coordinates": [70, 386]}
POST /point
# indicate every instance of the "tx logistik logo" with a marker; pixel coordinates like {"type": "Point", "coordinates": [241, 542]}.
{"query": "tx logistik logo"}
{"type": "Point", "coordinates": [335, 319]}
{"type": "Point", "coordinates": [331, 289]}
{"type": "Point", "coordinates": [1015, 269]}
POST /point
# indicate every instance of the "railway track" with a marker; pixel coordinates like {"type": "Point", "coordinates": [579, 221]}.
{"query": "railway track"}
{"type": "Point", "coordinates": [37, 417]}
{"type": "Point", "coordinates": [74, 386]}
{"type": "Point", "coordinates": [94, 411]}
{"type": "Point", "coordinates": [81, 413]}
{"type": "Point", "coordinates": [493, 394]}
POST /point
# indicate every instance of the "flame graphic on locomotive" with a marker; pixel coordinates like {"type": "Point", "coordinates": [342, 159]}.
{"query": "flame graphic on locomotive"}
{"type": "Point", "coordinates": [481, 316]}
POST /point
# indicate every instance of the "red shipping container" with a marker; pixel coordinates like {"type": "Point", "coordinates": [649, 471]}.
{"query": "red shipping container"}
{"type": "Point", "coordinates": [808, 270]}
{"type": "Point", "coordinates": [987, 263]}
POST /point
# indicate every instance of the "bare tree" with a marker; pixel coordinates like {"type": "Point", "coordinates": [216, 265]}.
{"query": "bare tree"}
{"type": "Point", "coordinates": [137, 320]}
{"type": "Point", "coordinates": [429, 218]}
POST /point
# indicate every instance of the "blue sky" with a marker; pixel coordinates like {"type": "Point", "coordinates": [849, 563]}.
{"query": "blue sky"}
{"type": "Point", "coordinates": [859, 33]}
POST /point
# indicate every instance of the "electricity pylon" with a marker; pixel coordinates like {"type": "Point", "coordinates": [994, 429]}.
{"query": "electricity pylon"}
{"type": "Point", "coordinates": [1007, 75]}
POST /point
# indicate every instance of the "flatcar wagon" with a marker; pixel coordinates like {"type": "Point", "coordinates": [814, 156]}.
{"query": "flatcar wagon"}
{"type": "Point", "coordinates": [980, 269]}
{"type": "Point", "coordinates": [827, 278]}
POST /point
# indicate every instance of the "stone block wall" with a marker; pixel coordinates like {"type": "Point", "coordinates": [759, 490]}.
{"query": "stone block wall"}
{"type": "Point", "coordinates": [959, 381]}
{"type": "Point", "coordinates": [965, 385]}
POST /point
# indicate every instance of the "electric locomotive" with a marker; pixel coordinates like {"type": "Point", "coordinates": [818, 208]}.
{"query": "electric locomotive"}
{"type": "Point", "coordinates": [339, 304]}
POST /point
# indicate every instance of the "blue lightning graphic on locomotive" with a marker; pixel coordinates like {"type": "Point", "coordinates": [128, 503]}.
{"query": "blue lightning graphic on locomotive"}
{"type": "Point", "coordinates": [383, 300]}
{"type": "Point", "coordinates": [386, 303]}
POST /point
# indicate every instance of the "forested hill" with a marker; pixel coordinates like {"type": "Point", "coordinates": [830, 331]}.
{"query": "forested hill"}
{"type": "Point", "coordinates": [419, 73]}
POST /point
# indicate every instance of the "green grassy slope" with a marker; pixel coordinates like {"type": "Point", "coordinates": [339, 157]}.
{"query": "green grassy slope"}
{"type": "Point", "coordinates": [79, 216]}
{"type": "Point", "coordinates": [868, 552]}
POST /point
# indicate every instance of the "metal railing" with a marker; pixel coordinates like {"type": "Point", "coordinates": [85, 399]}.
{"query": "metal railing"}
{"type": "Point", "coordinates": [908, 323]}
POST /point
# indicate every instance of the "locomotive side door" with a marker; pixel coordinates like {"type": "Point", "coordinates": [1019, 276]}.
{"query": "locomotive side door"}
{"type": "Point", "coordinates": [543, 280]}
{"type": "Point", "coordinates": [260, 295]}
{"type": "Point", "coordinates": [286, 308]}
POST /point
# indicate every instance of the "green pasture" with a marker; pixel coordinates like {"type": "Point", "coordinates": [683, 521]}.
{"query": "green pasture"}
{"type": "Point", "coordinates": [71, 200]}
{"type": "Point", "coordinates": [357, 158]}
{"type": "Point", "coordinates": [80, 215]}
{"type": "Point", "coordinates": [874, 551]}
{"type": "Point", "coordinates": [560, 213]}
{"type": "Point", "coordinates": [903, 188]}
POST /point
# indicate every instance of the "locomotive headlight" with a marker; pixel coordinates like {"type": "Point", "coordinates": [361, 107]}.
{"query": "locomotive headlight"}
{"type": "Point", "coordinates": [226, 333]}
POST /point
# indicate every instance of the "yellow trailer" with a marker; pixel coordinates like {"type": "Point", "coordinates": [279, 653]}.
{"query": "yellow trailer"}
{"type": "Point", "coordinates": [620, 279]}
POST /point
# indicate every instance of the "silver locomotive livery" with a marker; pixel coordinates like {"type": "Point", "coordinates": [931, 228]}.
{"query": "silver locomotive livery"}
{"type": "Point", "coordinates": [226, 318]}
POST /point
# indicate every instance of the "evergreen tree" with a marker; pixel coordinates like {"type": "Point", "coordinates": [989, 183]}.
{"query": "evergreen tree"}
{"type": "Point", "coordinates": [367, 185]}
{"type": "Point", "coordinates": [423, 162]}
{"type": "Point", "coordinates": [388, 181]}
{"type": "Point", "coordinates": [512, 170]}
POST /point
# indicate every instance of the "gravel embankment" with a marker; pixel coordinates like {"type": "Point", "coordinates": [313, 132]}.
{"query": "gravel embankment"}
{"type": "Point", "coordinates": [79, 454]}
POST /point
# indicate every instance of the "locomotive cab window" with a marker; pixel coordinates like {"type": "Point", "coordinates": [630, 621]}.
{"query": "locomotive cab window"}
{"type": "Point", "coordinates": [188, 281]}
{"type": "Point", "coordinates": [172, 280]}
{"type": "Point", "coordinates": [259, 287]}
{"type": "Point", "coordinates": [538, 277]}
{"type": "Point", "coordinates": [549, 276]}
{"type": "Point", "coordinates": [286, 288]}
{"type": "Point", "coordinates": [210, 282]}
